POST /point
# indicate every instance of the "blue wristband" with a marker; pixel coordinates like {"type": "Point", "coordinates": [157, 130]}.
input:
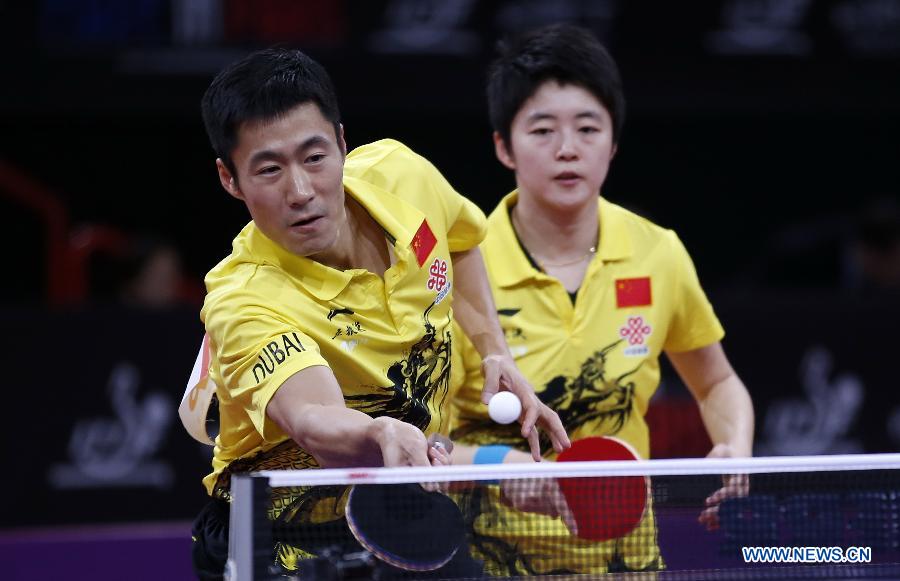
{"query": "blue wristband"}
{"type": "Point", "coordinates": [491, 454]}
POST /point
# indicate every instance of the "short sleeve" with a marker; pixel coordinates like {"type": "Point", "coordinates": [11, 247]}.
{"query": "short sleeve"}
{"type": "Point", "coordinates": [466, 223]}
{"type": "Point", "coordinates": [255, 351]}
{"type": "Point", "coordinates": [694, 323]}
{"type": "Point", "coordinates": [468, 228]}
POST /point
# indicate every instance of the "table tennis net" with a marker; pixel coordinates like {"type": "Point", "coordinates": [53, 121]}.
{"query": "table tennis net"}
{"type": "Point", "coordinates": [816, 517]}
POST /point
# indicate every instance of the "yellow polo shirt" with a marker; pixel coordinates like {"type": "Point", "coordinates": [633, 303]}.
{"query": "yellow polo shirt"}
{"type": "Point", "coordinates": [595, 362]}
{"type": "Point", "coordinates": [270, 314]}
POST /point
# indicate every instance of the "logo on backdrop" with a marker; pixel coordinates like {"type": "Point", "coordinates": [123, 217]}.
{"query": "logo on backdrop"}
{"type": "Point", "coordinates": [819, 422]}
{"type": "Point", "coordinates": [118, 451]}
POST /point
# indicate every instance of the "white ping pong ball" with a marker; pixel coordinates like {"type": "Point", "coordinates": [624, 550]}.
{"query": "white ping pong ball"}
{"type": "Point", "coordinates": [504, 407]}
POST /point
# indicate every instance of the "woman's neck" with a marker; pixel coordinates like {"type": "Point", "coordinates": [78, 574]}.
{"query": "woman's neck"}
{"type": "Point", "coordinates": [557, 237]}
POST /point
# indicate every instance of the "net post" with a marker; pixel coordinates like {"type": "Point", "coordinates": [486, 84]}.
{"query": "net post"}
{"type": "Point", "coordinates": [250, 536]}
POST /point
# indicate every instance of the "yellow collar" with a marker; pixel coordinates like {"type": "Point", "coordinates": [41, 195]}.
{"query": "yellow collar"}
{"type": "Point", "coordinates": [615, 243]}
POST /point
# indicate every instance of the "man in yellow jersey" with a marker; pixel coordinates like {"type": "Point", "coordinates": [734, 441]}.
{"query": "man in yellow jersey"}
{"type": "Point", "coordinates": [589, 296]}
{"type": "Point", "coordinates": [329, 323]}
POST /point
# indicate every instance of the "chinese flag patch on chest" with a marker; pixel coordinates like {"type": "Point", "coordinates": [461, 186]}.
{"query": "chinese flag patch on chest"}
{"type": "Point", "coordinates": [423, 242]}
{"type": "Point", "coordinates": [633, 292]}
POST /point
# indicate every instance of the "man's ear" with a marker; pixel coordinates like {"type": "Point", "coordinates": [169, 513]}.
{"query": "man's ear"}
{"type": "Point", "coordinates": [503, 153]}
{"type": "Point", "coordinates": [227, 180]}
{"type": "Point", "coordinates": [341, 142]}
{"type": "Point", "coordinates": [615, 150]}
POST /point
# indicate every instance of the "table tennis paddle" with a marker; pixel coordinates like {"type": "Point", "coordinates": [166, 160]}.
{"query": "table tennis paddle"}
{"type": "Point", "coordinates": [197, 401]}
{"type": "Point", "coordinates": [606, 507]}
{"type": "Point", "coordinates": [405, 526]}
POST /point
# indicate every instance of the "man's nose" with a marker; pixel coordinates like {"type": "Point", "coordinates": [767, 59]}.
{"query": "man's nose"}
{"type": "Point", "coordinates": [299, 187]}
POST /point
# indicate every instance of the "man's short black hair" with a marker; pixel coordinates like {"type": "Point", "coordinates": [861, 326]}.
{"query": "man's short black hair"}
{"type": "Point", "coordinates": [261, 86]}
{"type": "Point", "coordinates": [564, 53]}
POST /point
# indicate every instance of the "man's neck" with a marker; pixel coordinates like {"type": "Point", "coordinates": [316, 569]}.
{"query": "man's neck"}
{"type": "Point", "coordinates": [361, 242]}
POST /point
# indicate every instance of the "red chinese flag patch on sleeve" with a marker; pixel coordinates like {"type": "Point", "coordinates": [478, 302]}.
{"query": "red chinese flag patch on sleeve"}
{"type": "Point", "coordinates": [633, 292]}
{"type": "Point", "coordinates": [423, 242]}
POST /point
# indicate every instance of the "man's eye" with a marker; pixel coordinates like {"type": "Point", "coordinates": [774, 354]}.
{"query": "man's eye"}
{"type": "Point", "coordinates": [589, 130]}
{"type": "Point", "coordinates": [315, 158]}
{"type": "Point", "coordinates": [541, 131]}
{"type": "Point", "coordinates": [268, 170]}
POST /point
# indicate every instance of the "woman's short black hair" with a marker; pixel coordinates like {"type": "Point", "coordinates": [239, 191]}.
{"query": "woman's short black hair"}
{"type": "Point", "coordinates": [564, 53]}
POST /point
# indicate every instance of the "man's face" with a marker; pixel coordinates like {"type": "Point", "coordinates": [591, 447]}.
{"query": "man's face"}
{"type": "Point", "coordinates": [289, 173]}
{"type": "Point", "coordinates": [561, 144]}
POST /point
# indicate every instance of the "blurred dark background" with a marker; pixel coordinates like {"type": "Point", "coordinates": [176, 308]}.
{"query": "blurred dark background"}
{"type": "Point", "coordinates": [759, 130]}
{"type": "Point", "coordinates": [766, 133]}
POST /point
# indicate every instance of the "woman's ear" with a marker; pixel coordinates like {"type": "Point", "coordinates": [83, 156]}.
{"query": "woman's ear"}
{"type": "Point", "coordinates": [504, 153]}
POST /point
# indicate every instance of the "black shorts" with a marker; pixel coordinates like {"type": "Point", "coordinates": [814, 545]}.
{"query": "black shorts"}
{"type": "Point", "coordinates": [209, 536]}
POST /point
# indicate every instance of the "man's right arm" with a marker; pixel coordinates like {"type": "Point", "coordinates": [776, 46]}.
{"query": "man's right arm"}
{"type": "Point", "coordinates": [309, 407]}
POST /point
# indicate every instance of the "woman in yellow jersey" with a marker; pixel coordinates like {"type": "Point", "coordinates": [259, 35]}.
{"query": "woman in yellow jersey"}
{"type": "Point", "coordinates": [330, 323]}
{"type": "Point", "coordinates": [589, 296]}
